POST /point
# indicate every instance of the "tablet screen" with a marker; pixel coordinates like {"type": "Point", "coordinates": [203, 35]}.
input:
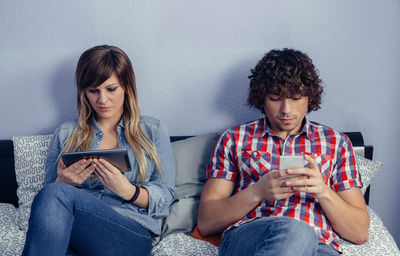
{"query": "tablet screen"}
{"type": "Point", "coordinates": [117, 157]}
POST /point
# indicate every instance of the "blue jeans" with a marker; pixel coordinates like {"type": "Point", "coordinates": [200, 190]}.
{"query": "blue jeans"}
{"type": "Point", "coordinates": [273, 236]}
{"type": "Point", "coordinates": [65, 220]}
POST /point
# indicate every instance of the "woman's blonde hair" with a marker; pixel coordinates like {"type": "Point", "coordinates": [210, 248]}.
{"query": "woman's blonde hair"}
{"type": "Point", "coordinates": [95, 66]}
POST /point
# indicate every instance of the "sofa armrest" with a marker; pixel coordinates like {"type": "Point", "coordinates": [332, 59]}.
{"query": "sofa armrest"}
{"type": "Point", "coordinates": [8, 183]}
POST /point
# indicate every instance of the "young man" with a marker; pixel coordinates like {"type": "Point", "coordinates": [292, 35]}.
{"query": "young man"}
{"type": "Point", "coordinates": [266, 211]}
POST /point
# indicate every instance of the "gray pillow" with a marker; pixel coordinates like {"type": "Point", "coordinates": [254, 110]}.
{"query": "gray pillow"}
{"type": "Point", "coordinates": [182, 217]}
{"type": "Point", "coordinates": [191, 156]}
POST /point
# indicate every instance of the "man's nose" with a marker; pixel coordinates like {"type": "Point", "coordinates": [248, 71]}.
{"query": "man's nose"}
{"type": "Point", "coordinates": [286, 106]}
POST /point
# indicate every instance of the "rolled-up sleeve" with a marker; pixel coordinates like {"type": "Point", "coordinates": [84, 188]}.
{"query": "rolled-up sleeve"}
{"type": "Point", "coordinates": [52, 158]}
{"type": "Point", "coordinates": [345, 174]}
{"type": "Point", "coordinates": [161, 188]}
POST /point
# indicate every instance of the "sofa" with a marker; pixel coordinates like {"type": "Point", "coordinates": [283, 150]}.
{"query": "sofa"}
{"type": "Point", "coordinates": [22, 171]}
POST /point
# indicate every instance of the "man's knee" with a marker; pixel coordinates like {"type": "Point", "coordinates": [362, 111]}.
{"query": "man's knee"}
{"type": "Point", "coordinates": [299, 228]}
{"type": "Point", "coordinates": [286, 236]}
{"type": "Point", "coordinates": [300, 237]}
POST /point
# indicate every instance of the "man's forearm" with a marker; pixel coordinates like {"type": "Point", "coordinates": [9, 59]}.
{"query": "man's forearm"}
{"type": "Point", "coordinates": [217, 214]}
{"type": "Point", "coordinates": [348, 217]}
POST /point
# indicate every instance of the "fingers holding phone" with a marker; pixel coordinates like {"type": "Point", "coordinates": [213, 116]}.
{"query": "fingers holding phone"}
{"type": "Point", "coordinates": [291, 162]}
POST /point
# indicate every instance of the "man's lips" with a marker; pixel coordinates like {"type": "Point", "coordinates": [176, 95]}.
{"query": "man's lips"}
{"type": "Point", "coordinates": [286, 120]}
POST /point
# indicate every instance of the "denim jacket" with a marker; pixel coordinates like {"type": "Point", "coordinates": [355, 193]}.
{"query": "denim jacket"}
{"type": "Point", "coordinates": [160, 189]}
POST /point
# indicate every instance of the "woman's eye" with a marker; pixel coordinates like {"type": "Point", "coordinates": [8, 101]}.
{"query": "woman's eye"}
{"type": "Point", "coordinates": [275, 98]}
{"type": "Point", "coordinates": [111, 89]}
{"type": "Point", "coordinates": [92, 90]}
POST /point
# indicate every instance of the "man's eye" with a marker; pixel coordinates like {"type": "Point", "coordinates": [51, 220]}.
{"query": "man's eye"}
{"type": "Point", "coordinates": [275, 98]}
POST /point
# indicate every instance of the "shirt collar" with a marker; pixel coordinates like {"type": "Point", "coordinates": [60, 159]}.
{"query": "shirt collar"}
{"type": "Point", "coordinates": [306, 129]}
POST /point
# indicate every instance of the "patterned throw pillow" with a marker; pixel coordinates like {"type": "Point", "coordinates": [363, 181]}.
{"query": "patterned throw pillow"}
{"type": "Point", "coordinates": [368, 170]}
{"type": "Point", "coordinates": [30, 157]}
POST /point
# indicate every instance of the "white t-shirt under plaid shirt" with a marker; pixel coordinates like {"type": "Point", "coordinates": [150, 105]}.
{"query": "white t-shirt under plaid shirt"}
{"type": "Point", "coordinates": [245, 153]}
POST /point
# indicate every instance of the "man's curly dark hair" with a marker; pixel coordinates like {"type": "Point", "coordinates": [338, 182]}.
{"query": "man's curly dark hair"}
{"type": "Point", "coordinates": [285, 73]}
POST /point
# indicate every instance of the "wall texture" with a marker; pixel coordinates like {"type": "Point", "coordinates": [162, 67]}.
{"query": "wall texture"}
{"type": "Point", "coordinates": [192, 59]}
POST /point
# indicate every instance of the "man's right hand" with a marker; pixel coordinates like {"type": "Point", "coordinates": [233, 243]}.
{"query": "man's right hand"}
{"type": "Point", "coordinates": [271, 186]}
{"type": "Point", "coordinates": [76, 173]}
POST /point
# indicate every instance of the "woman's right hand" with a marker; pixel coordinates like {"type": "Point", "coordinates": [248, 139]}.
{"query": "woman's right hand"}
{"type": "Point", "coordinates": [76, 173]}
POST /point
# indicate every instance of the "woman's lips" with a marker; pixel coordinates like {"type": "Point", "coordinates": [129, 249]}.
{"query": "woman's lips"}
{"type": "Point", "coordinates": [103, 108]}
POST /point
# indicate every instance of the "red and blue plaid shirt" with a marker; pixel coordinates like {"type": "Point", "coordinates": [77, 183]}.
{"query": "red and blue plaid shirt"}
{"type": "Point", "coordinates": [245, 153]}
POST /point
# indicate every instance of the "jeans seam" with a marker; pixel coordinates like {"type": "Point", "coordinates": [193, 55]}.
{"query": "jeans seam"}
{"type": "Point", "coordinates": [113, 222]}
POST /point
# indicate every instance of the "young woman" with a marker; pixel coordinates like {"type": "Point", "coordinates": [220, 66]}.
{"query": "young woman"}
{"type": "Point", "coordinates": [90, 207]}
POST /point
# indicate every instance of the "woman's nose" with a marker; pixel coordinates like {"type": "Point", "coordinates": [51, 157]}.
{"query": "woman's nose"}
{"type": "Point", "coordinates": [101, 97]}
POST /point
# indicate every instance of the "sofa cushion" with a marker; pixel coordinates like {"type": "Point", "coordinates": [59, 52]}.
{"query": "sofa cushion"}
{"type": "Point", "coordinates": [191, 156]}
{"type": "Point", "coordinates": [179, 244]}
{"type": "Point", "coordinates": [368, 170]}
{"type": "Point", "coordinates": [380, 242]}
{"type": "Point", "coordinates": [30, 157]}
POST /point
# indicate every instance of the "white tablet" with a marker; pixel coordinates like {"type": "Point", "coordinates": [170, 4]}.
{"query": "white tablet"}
{"type": "Point", "coordinates": [117, 157]}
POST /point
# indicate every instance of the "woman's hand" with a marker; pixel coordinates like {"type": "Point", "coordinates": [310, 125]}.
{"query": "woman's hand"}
{"type": "Point", "coordinates": [76, 173]}
{"type": "Point", "coordinates": [112, 178]}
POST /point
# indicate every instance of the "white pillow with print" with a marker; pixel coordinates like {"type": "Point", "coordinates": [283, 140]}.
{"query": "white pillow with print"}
{"type": "Point", "coordinates": [30, 156]}
{"type": "Point", "coordinates": [368, 170]}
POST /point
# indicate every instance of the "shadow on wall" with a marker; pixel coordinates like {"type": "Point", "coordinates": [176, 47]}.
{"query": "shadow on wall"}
{"type": "Point", "coordinates": [232, 96]}
{"type": "Point", "coordinates": [62, 95]}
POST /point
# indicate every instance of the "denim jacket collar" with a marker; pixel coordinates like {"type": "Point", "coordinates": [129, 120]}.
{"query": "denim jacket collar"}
{"type": "Point", "coordinates": [98, 131]}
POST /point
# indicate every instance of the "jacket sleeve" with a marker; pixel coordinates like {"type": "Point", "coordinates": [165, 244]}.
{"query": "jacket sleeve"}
{"type": "Point", "coordinates": [161, 188]}
{"type": "Point", "coordinates": [52, 159]}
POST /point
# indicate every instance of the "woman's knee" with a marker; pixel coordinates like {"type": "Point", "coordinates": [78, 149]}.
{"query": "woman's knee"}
{"type": "Point", "coordinates": [51, 193]}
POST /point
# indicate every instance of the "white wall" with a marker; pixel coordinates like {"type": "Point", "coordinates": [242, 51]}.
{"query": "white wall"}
{"type": "Point", "coordinates": [192, 59]}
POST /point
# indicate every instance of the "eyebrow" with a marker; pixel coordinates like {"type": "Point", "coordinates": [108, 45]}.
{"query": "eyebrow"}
{"type": "Point", "coordinates": [111, 84]}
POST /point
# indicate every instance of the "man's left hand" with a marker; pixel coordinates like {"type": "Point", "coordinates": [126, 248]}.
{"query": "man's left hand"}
{"type": "Point", "coordinates": [311, 183]}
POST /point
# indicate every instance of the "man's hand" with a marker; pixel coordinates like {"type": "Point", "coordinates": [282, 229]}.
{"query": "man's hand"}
{"type": "Point", "coordinates": [312, 183]}
{"type": "Point", "coordinates": [272, 186]}
{"type": "Point", "coordinates": [76, 173]}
